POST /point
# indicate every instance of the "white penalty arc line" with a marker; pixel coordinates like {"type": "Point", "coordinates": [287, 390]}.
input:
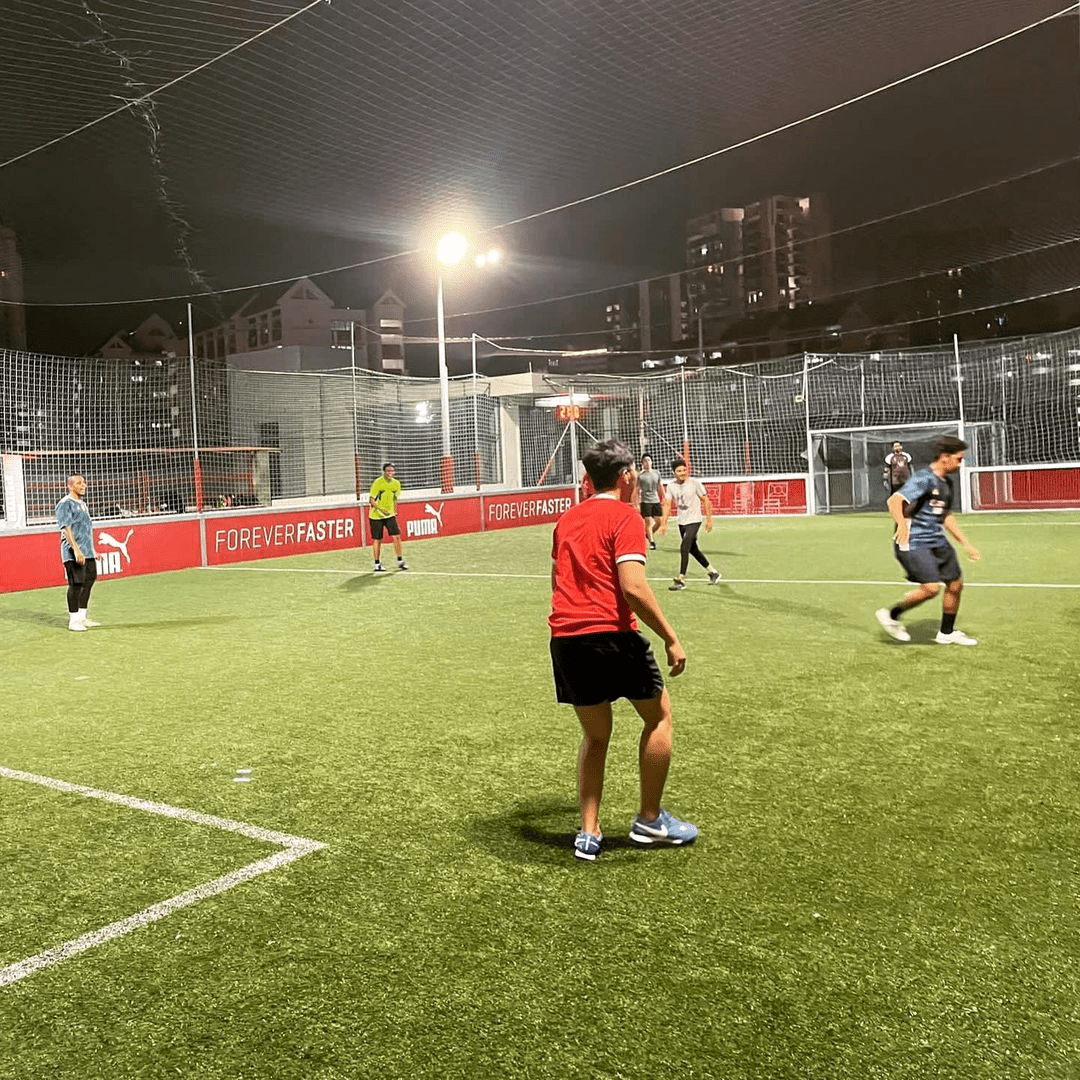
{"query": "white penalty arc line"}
{"type": "Point", "coordinates": [723, 581]}
{"type": "Point", "coordinates": [293, 848]}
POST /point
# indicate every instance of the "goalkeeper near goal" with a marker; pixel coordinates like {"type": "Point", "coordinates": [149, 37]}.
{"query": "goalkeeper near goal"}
{"type": "Point", "coordinates": [598, 584]}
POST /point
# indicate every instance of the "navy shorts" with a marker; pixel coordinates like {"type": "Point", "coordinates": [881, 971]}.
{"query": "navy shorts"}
{"type": "Point", "coordinates": [592, 668]}
{"type": "Point", "coordinates": [389, 524]}
{"type": "Point", "coordinates": [651, 510]}
{"type": "Point", "coordinates": [924, 565]}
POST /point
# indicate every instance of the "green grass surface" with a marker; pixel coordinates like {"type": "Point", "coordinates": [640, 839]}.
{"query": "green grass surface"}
{"type": "Point", "coordinates": [885, 885]}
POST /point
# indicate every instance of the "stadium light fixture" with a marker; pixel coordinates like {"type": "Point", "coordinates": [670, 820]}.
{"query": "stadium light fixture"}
{"type": "Point", "coordinates": [563, 399]}
{"type": "Point", "coordinates": [451, 249]}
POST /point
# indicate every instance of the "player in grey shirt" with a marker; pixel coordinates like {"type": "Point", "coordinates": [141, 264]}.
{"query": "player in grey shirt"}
{"type": "Point", "coordinates": [77, 551]}
{"type": "Point", "coordinates": [691, 503]}
{"type": "Point", "coordinates": [650, 495]}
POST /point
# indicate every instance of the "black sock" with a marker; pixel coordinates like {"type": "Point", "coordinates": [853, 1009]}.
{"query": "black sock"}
{"type": "Point", "coordinates": [896, 612]}
{"type": "Point", "coordinates": [948, 622]}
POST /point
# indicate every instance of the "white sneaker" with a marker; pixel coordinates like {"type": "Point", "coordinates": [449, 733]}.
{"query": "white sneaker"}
{"type": "Point", "coordinates": [957, 637]}
{"type": "Point", "coordinates": [714, 576]}
{"type": "Point", "coordinates": [379, 568]}
{"type": "Point", "coordinates": [893, 627]}
{"type": "Point", "coordinates": [87, 623]}
{"type": "Point", "coordinates": [76, 625]}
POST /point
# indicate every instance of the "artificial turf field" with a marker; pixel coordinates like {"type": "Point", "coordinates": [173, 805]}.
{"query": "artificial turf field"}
{"type": "Point", "coordinates": [886, 883]}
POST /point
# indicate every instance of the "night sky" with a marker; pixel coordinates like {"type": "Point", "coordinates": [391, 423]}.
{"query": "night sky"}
{"type": "Point", "coordinates": [360, 129]}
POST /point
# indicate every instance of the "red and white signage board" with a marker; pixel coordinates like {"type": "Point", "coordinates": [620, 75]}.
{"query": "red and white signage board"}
{"type": "Point", "coordinates": [31, 560]}
{"type": "Point", "coordinates": [272, 534]}
{"type": "Point", "coordinates": [437, 517]}
{"type": "Point", "coordinates": [526, 508]}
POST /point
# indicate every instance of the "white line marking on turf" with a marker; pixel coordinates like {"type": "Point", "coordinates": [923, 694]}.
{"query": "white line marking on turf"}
{"type": "Point", "coordinates": [295, 847]}
{"type": "Point", "coordinates": [890, 583]}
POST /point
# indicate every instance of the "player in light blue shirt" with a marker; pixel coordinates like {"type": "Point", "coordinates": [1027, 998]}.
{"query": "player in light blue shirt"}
{"type": "Point", "coordinates": [922, 510]}
{"type": "Point", "coordinates": [77, 551]}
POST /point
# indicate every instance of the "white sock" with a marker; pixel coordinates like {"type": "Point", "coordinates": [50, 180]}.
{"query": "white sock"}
{"type": "Point", "coordinates": [73, 617]}
{"type": "Point", "coordinates": [81, 615]}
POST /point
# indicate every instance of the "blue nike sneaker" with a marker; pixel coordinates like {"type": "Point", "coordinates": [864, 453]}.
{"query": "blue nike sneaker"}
{"type": "Point", "coordinates": [666, 829]}
{"type": "Point", "coordinates": [587, 846]}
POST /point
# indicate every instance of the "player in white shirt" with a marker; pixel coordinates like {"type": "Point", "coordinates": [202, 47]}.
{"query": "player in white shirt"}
{"type": "Point", "coordinates": [692, 506]}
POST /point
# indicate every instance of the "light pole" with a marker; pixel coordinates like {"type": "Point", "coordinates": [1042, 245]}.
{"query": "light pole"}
{"type": "Point", "coordinates": [450, 251]}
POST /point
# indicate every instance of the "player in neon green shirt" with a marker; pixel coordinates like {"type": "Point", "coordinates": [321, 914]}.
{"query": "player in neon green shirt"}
{"type": "Point", "coordinates": [383, 499]}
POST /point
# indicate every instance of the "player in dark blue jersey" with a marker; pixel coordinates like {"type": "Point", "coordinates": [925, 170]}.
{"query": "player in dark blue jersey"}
{"type": "Point", "coordinates": [922, 510]}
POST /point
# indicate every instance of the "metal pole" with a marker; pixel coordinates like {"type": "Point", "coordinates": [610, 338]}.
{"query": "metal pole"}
{"type": "Point", "coordinates": [965, 493]}
{"type": "Point", "coordinates": [642, 443]}
{"type": "Point", "coordinates": [746, 426]}
{"type": "Point", "coordinates": [475, 413]}
{"type": "Point", "coordinates": [862, 388]}
{"type": "Point", "coordinates": [355, 434]}
{"type": "Point", "coordinates": [196, 464]}
{"type": "Point", "coordinates": [811, 495]}
{"type": "Point", "coordinates": [444, 396]}
{"type": "Point", "coordinates": [685, 422]}
{"type": "Point", "coordinates": [574, 450]}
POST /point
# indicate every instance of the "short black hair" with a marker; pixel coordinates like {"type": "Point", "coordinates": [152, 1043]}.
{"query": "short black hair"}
{"type": "Point", "coordinates": [947, 444]}
{"type": "Point", "coordinates": [389, 465]}
{"type": "Point", "coordinates": [604, 461]}
{"type": "Point", "coordinates": [678, 463]}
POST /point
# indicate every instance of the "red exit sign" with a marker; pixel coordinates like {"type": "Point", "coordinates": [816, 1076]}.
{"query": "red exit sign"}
{"type": "Point", "coordinates": [567, 413]}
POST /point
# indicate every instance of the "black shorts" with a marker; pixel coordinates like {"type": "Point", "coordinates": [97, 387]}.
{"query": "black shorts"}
{"type": "Point", "coordinates": [925, 565]}
{"type": "Point", "coordinates": [81, 573]}
{"type": "Point", "coordinates": [389, 524]}
{"type": "Point", "coordinates": [651, 510]}
{"type": "Point", "coordinates": [591, 668]}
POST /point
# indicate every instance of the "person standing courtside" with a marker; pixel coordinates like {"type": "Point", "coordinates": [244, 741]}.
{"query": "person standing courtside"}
{"type": "Point", "coordinates": [897, 468]}
{"type": "Point", "coordinates": [77, 551]}
{"type": "Point", "coordinates": [383, 499]}
{"type": "Point", "coordinates": [651, 495]}
{"type": "Point", "coordinates": [691, 503]}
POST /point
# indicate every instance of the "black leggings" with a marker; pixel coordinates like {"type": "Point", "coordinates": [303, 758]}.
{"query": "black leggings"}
{"type": "Point", "coordinates": [689, 547]}
{"type": "Point", "coordinates": [81, 578]}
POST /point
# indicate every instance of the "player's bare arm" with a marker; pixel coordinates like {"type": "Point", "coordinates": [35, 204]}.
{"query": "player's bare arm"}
{"type": "Point", "coordinates": [953, 528]}
{"type": "Point", "coordinates": [896, 504]}
{"type": "Point", "coordinates": [642, 600]}
{"type": "Point", "coordinates": [80, 558]}
{"type": "Point", "coordinates": [706, 509]}
{"type": "Point", "coordinates": [665, 513]}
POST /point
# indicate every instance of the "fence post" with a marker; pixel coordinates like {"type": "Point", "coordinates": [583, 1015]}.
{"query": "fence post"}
{"type": "Point", "coordinates": [965, 482]}
{"type": "Point", "coordinates": [811, 494]}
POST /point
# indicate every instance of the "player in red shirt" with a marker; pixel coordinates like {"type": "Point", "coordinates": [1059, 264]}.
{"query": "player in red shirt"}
{"type": "Point", "coordinates": [598, 585]}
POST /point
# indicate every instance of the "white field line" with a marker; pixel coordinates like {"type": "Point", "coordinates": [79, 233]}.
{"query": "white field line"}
{"type": "Point", "coordinates": [723, 581]}
{"type": "Point", "coordinates": [294, 847]}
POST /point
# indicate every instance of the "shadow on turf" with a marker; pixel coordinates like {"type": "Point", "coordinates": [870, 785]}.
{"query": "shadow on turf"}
{"type": "Point", "coordinates": [362, 581]}
{"type": "Point", "coordinates": [40, 618]}
{"type": "Point", "coordinates": [539, 830]}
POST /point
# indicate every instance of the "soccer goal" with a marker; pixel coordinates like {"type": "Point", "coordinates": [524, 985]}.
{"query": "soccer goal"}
{"type": "Point", "coordinates": [847, 465]}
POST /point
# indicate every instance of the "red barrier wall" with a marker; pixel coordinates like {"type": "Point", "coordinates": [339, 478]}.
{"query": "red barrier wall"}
{"type": "Point", "coordinates": [270, 534]}
{"type": "Point", "coordinates": [777, 496]}
{"type": "Point", "coordinates": [31, 560]}
{"type": "Point", "coordinates": [1028, 489]}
